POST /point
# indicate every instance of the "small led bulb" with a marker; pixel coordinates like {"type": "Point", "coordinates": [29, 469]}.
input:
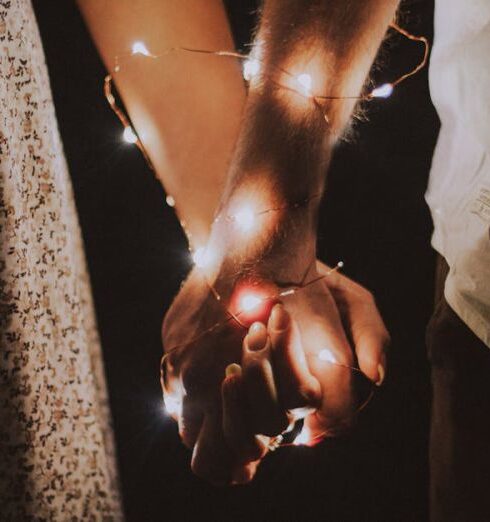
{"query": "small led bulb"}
{"type": "Point", "coordinates": [384, 91]}
{"type": "Point", "coordinates": [199, 257]}
{"type": "Point", "coordinates": [203, 257]}
{"type": "Point", "coordinates": [251, 68]}
{"type": "Point", "coordinates": [173, 405]}
{"type": "Point", "coordinates": [305, 81]}
{"type": "Point", "coordinates": [250, 302]}
{"type": "Point", "coordinates": [245, 219]}
{"type": "Point", "coordinates": [129, 136]}
{"type": "Point", "coordinates": [140, 48]}
{"type": "Point", "coordinates": [327, 356]}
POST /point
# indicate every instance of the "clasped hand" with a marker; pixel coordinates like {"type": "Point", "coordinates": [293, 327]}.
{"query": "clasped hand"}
{"type": "Point", "coordinates": [231, 390]}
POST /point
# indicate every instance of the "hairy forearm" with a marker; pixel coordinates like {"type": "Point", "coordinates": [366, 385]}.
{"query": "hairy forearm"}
{"type": "Point", "coordinates": [331, 43]}
{"type": "Point", "coordinates": [288, 131]}
{"type": "Point", "coordinates": [185, 107]}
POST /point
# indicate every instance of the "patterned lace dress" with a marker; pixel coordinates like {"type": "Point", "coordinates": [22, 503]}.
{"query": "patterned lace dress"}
{"type": "Point", "coordinates": [56, 450]}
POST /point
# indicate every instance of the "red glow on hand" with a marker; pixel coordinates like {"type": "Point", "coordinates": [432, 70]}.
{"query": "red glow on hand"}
{"type": "Point", "coordinates": [253, 302]}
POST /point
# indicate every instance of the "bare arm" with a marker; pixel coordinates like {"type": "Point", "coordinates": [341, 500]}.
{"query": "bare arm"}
{"type": "Point", "coordinates": [285, 142]}
{"type": "Point", "coordinates": [280, 162]}
{"type": "Point", "coordinates": [186, 108]}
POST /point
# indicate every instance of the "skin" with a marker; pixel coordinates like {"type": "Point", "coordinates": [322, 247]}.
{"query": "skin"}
{"type": "Point", "coordinates": [283, 147]}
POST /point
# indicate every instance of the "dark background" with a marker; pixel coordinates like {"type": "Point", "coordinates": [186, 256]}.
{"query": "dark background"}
{"type": "Point", "coordinates": [374, 219]}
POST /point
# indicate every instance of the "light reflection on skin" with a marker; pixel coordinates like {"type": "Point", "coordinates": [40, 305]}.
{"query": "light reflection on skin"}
{"type": "Point", "coordinates": [301, 76]}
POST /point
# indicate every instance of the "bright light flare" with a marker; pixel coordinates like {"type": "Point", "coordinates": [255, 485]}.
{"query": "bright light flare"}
{"type": "Point", "coordinates": [129, 136]}
{"type": "Point", "coordinates": [384, 91]}
{"type": "Point", "coordinates": [203, 257]}
{"type": "Point", "coordinates": [140, 48]}
{"type": "Point", "coordinates": [173, 405]}
{"type": "Point", "coordinates": [250, 302]}
{"type": "Point", "coordinates": [327, 356]}
{"type": "Point", "coordinates": [251, 68]}
{"type": "Point", "coordinates": [305, 81]}
{"type": "Point", "coordinates": [245, 219]}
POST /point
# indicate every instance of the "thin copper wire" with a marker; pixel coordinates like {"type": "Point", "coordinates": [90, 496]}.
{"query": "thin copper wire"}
{"type": "Point", "coordinates": [423, 63]}
{"type": "Point", "coordinates": [293, 289]}
{"type": "Point", "coordinates": [124, 119]}
{"type": "Point", "coordinates": [232, 54]}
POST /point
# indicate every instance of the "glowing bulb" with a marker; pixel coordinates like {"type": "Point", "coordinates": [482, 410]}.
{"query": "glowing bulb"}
{"type": "Point", "coordinates": [199, 257]}
{"type": "Point", "coordinates": [251, 67]}
{"type": "Point", "coordinates": [203, 257]}
{"type": "Point", "coordinates": [305, 81]}
{"type": "Point", "coordinates": [249, 302]}
{"type": "Point", "coordinates": [245, 219]}
{"type": "Point", "coordinates": [140, 48]}
{"type": "Point", "coordinates": [303, 437]}
{"type": "Point", "coordinates": [129, 135]}
{"type": "Point", "coordinates": [327, 356]}
{"type": "Point", "coordinates": [384, 91]}
{"type": "Point", "coordinates": [173, 405]}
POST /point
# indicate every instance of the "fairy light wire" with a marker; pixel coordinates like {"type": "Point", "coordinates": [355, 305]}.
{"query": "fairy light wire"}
{"type": "Point", "coordinates": [139, 48]}
{"type": "Point", "coordinates": [382, 91]}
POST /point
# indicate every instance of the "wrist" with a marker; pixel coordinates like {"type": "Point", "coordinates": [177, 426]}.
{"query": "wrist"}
{"type": "Point", "coordinates": [275, 243]}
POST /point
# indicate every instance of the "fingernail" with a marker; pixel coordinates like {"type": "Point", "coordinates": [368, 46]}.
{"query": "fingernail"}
{"type": "Point", "coordinates": [279, 319]}
{"type": "Point", "coordinates": [257, 337]}
{"type": "Point", "coordinates": [381, 375]}
{"type": "Point", "coordinates": [233, 369]}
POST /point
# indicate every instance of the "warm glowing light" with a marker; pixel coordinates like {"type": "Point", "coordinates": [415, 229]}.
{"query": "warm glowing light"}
{"type": "Point", "coordinates": [129, 135]}
{"type": "Point", "coordinates": [173, 405]}
{"type": "Point", "coordinates": [203, 257]}
{"type": "Point", "coordinates": [305, 81]}
{"type": "Point", "coordinates": [245, 219]}
{"type": "Point", "coordinates": [384, 91]}
{"type": "Point", "coordinates": [199, 257]}
{"type": "Point", "coordinates": [250, 302]}
{"type": "Point", "coordinates": [170, 201]}
{"type": "Point", "coordinates": [251, 68]}
{"type": "Point", "coordinates": [303, 438]}
{"type": "Point", "coordinates": [140, 48]}
{"type": "Point", "coordinates": [327, 356]}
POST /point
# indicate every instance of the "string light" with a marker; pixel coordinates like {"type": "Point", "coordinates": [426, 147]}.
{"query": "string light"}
{"type": "Point", "coordinates": [129, 136]}
{"type": "Point", "coordinates": [305, 82]}
{"type": "Point", "coordinates": [385, 91]}
{"type": "Point", "coordinates": [250, 302]}
{"type": "Point", "coordinates": [251, 69]}
{"type": "Point", "coordinates": [199, 257]}
{"type": "Point", "coordinates": [327, 356]}
{"type": "Point", "coordinates": [245, 217]}
{"type": "Point", "coordinates": [140, 48]}
{"type": "Point", "coordinates": [173, 405]}
{"type": "Point", "coordinates": [203, 257]}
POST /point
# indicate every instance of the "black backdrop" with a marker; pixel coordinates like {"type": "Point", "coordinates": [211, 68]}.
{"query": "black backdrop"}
{"type": "Point", "coordinates": [374, 218]}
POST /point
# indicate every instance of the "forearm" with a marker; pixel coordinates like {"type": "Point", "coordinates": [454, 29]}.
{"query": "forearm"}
{"type": "Point", "coordinates": [185, 107]}
{"type": "Point", "coordinates": [287, 135]}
